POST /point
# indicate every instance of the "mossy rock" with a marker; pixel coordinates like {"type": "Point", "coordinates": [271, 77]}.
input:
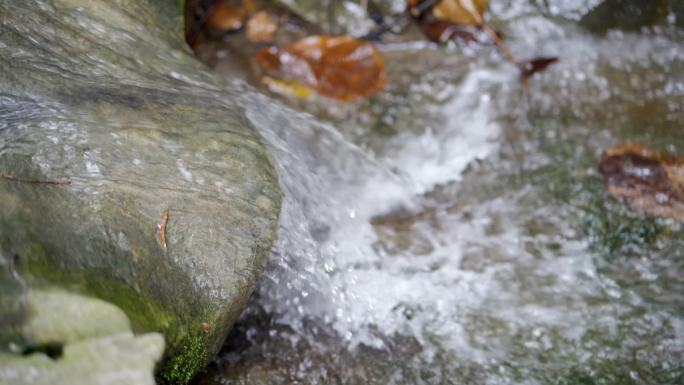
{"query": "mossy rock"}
{"type": "Point", "coordinates": [104, 98]}
{"type": "Point", "coordinates": [119, 359]}
{"type": "Point", "coordinates": [72, 339]}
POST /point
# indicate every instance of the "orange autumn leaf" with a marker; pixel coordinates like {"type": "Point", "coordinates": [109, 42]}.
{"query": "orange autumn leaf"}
{"type": "Point", "coordinates": [645, 179]}
{"type": "Point", "coordinates": [261, 27]}
{"type": "Point", "coordinates": [441, 31]}
{"type": "Point", "coordinates": [465, 12]}
{"type": "Point", "coordinates": [338, 67]}
{"type": "Point", "coordinates": [469, 12]}
{"type": "Point", "coordinates": [225, 18]}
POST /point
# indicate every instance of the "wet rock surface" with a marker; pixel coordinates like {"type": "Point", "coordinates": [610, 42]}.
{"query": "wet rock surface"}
{"type": "Point", "coordinates": [120, 359]}
{"type": "Point", "coordinates": [68, 338]}
{"type": "Point", "coordinates": [103, 100]}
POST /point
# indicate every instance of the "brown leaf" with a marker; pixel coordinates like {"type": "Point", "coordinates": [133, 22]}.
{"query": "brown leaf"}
{"type": "Point", "coordinates": [261, 27]}
{"type": "Point", "coordinates": [441, 31]}
{"type": "Point", "coordinates": [338, 67]}
{"type": "Point", "coordinates": [469, 12]}
{"type": "Point", "coordinates": [531, 67]}
{"type": "Point", "coordinates": [466, 12]}
{"type": "Point", "coordinates": [645, 179]}
{"type": "Point", "coordinates": [225, 18]}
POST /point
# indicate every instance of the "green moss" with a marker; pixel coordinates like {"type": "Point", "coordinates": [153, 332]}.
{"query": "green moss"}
{"type": "Point", "coordinates": [613, 371]}
{"type": "Point", "coordinates": [144, 313]}
{"type": "Point", "coordinates": [181, 368]}
{"type": "Point", "coordinates": [613, 228]}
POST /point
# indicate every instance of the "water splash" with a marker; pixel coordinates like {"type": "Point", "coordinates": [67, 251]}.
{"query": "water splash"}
{"type": "Point", "coordinates": [483, 269]}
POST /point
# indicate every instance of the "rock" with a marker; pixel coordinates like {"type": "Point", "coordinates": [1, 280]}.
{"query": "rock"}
{"type": "Point", "coordinates": [120, 359]}
{"type": "Point", "coordinates": [677, 9]}
{"type": "Point", "coordinates": [57, 317]}
{"type": "Point", "coordinates": [629, 15]}
{"type": "Point", "coordinates": [68, 338]}
{"type": "Point", "coordinates": [103, 99]}
{"type": "Point", "coordinates": [13, 308]}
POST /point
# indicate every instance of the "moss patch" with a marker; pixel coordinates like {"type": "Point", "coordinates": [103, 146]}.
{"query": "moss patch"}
{"type": "Point", "coordinates": [181, 368]}
{"type": "Point", "coordinates": [613, 228]}
{"type": "Point", "coordinates": [144, 313]}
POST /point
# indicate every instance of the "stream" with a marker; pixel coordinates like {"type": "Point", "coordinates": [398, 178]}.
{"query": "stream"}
{"type": "Point", "coordinates": [454, 228]}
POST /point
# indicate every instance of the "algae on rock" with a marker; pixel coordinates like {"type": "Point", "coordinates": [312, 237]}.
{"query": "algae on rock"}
{"type": "Point", "coordinates": [105, 96]}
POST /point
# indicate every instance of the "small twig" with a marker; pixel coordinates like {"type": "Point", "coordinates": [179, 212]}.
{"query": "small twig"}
{"type": "Point", "coordinates": [34, 181]}
{"type": "Point", "coordinates": [162, 229]}
{"type": "Point", "coordinates": [504, 48]}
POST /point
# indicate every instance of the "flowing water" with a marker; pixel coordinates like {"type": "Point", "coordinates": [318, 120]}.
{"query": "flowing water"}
{"type": "Point", "coordinates": [453, 230]}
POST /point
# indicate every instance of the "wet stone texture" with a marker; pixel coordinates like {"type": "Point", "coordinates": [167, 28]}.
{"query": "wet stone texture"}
{"type": "Point", "coordinates": [103, 100]}
{"type": "Point", "coordinates": [68, 338]}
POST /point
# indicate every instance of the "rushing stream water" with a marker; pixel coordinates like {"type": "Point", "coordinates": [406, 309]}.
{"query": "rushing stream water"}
{"type": "Point", "coordinates": [454, 229]}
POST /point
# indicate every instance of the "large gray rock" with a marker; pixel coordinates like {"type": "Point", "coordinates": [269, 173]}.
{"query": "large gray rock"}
{"type": "Point", "coordinates": [104, 95]}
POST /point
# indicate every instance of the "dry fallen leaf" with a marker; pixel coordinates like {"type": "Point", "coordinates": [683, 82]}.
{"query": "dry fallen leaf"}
{"type": "Point", "coordinates": [645, 179]}
{"type": "Point", "coordinates": [531, 67]}
{"type": "Point", "coordinates": [441, 31]}
{"type": "Point", "coordinates": [225, 18]}
{"type": "Point", "coordinates": [465, 12]}
{"type": "Point", "coordinates": [469, 12]}
{"type": "Point", "coordinates": [443, 20]}
{"type": "Point", "coordinates": [261, 27]}
{"type": "Point", "coordinates": [288, 87]}
{"type": "Point", "coordinates": [338, 67]}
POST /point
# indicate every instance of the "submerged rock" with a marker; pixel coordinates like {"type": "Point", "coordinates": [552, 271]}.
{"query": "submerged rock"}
{"type": "Point", "coordinates": [630, 15]}
{"type": "Point", "coordinates": [102, 100]}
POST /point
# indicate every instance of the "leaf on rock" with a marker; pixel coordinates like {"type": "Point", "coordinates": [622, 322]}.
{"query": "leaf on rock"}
{"type": "Point", "coordinates": [531, 67]}
{"type": "Point", "coordinates": [226, 18]}
{"type": "Point", "coordinates": [338, 67]}
{"type": "Point", "coordinates": [645, 179]}
{"type": "Point", "coordinates": [261, 27]}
